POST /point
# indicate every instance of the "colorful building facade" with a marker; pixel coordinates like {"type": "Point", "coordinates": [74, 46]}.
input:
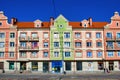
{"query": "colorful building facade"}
{"type": "Point", "coordinates": [59, 45]}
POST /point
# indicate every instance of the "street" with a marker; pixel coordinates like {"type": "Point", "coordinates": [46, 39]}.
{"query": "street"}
{"type": "Point", "coordinates": [48, 76]}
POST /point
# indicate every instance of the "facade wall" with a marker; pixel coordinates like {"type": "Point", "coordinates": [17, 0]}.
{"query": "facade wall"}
{"type": "Point", "coordinates": [79, 47]}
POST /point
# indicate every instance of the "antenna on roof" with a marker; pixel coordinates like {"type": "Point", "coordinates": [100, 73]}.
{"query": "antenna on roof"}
{"type": "Point", "coordinates": [54, 8]}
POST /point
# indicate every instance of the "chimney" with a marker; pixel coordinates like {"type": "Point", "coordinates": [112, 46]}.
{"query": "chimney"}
{"type": "Point", "coordinates": [90, 21]}
{"type": "Point", "coordinates": [13, 21]}
{"type": "Point", "coordinates": [51, 21]}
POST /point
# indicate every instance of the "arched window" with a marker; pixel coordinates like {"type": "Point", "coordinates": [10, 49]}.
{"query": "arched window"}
{"type": "Point", "coordinates": [0, 23]}
{"type": "Point", "coordinates": [117, 23]}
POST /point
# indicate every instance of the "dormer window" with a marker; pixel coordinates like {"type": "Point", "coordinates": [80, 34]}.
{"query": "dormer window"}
{"type": "Point", "coordinates": [37, 23]}
{"type": "Point", "coordinates": [0, 24]}
{"type": "Point", "coordinates": [117, 24]}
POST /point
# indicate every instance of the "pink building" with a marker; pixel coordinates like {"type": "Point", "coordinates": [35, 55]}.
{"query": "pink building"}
{"type": "Point", "coordinates": [8, 48]}
{"type": "Point", "coordinates": [112, 43]}
{"type": "Point", "coordinates": [88, 45]}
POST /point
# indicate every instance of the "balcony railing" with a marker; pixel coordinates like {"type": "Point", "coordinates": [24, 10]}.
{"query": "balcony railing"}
{"type": "Point", "coordinates": [33, 38]}
{"type": "Point", "coordinates": [29, 48]}
{"type": "Point", "coordinates": [28, 38]}
{"type": "Point", "coordinates": [23, 38]}
{"type": "Point", "coordinates": [117, 39]}
{"type": "Point", "coordinates": [113, 48]}
{"type": "Point", "coordinates": [110, 39]}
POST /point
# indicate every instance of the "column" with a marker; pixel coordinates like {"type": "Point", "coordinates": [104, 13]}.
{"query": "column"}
{"type": "Point", "coordinates": [116, 65]}
{"type": "Point", "coordinates": [28, 66]}
{"type": "Point", "coordinates": [40, 66]}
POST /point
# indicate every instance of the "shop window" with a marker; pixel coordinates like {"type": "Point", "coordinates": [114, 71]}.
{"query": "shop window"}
{"type": "Point", "coordinates": [11, 65]}
{"type": "Point", "coordinates": [68, 66]}
{"type": "Point", "coordinates": [34, 66]}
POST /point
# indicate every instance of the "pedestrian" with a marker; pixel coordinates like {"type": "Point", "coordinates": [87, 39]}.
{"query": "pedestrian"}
{"type": "Point", "coordinates": [104, 70]}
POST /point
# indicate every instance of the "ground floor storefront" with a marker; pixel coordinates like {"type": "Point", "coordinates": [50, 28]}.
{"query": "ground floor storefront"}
{"type": "Point", "coordinates": [59, 66]}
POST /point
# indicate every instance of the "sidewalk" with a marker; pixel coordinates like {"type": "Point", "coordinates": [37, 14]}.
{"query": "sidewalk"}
{"type": "Point", "coordinates": [68, 73]}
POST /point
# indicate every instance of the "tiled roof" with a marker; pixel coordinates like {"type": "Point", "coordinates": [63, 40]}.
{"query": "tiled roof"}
{"type": "Point", "coordinates": [31, 25]}
{"type": "Point", "coordinates": [73, 24]}
{"type": "Point", "coordinates": [94, 25]}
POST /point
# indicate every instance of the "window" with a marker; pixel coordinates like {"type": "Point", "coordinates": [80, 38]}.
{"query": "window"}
{"type": "Point", "coordinates": [45, 54]}
{"type": "Point", "coordinates": [88, 35]}
{"type": "Point", "coordinates": [11, 54]}
{"type": "Point", "coordinates": [56, 44]}
{"type": "Point", "coordinates": [66, 35]}
{"type": "Point", "coordinates": [34, 54]}
{"type": "Point", "coordinates": [45, 34]}
{"type": "Point", "coordinates": [67, 54]}
{"type": "Point", "coordinates": [34, 45]}
{"type": "Point", "coordinates": [89, 54]}
{"type": "Point", "coordinates": [78, 54]}
{"type": "Point", "coordinates": [109, 35]}
{"type": "Point", "coordinates": [110, 45]}
{"type": "Point", "coordinates": [12, 35]}
{"type": "Point", "coordinates": [23, 44]}
{"type": "Point", "coordinates": [12, 44]}
{"type": "Point", "coordinates": [23, 35]}
{"type": "Point", "coordinates": [2, 35]}
{"type": "Point", "coordinates": [11, 65]}
{"type": "Point", "coordinates": [99, 44]}
{"type": "Point", "coordinates": [34, 66]}
{"type": "Point", "coordinates": [45, 44]}
{"type": "Point", "coordinates": [118, 35]}
{"type": "Point", "coordinates": [119, 53]}
{"type": "Point", "coordinates": [98, 35]}
{"type": "Point", "coordinates": [68, 65]}
{"type": "Point", "coordinates": [99, 54]}
{"type": "Point", "coordinates": [110, 54]}
{"type": "Point", "coordinates": [1, 54]}
{"type": "Point", "coordinates": [89, 44]}
{"type": "Point", "coordinates": [34, 35]}
{"type": "Point", "coordinates": [22, 54]}
{"type": "Point", "coordinates": [78, 44]}
{"type": "Point", "coordinates": [0, 24]}
{"type": "Point", "coordinates": [118, 44]}
{"type": "Point", "coordinates": [56, 35]}
{"type": "Point", "coordinates": [60, 26]}
{"type": "Point", "coordinates": [67, 44]}
{"type": "Point", "coordinates": [56, 54]}
{"type": "Point", "coordinates": [77, 35]}
{"type": "Point", "coordinates": [2, 44]}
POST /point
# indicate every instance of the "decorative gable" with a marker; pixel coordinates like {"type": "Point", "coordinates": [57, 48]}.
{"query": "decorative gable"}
{"type": "Point", "coordinates": [85, 23]}
{"type": "Point", "coordinates": [37, 23]}
{"type": "Point", "coordinates": [61, 22]}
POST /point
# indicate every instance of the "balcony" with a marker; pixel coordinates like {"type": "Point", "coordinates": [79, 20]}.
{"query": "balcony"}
{"type": "Point", "coordinates": [117, 39]}
{"type": "Point", "coordinates": [33, 38]}
{"type": "Point", "coordinates": [29, 48]}
{"type": "Point", "coordinates": [110, 39]}
{"type": "Point", "coordinates": [23, 38]}
{"type": "Point", "coordinates": [113, 48]}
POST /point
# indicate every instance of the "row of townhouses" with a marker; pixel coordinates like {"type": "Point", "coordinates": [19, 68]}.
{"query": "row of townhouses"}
{"type": "Point", "coordinates": [59, 45]}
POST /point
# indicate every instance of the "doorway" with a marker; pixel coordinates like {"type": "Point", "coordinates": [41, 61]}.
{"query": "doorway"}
{"type": "Point", "coordinates": [111, 65]}
{"type": "Point", "coordinates": [56, 66]}
{"type": "Point", "coordinates": [1, 65]}
{"type": "Point", "coordinates": [45, 66]}
{"type": "Point", "coordinates": [22, 65]}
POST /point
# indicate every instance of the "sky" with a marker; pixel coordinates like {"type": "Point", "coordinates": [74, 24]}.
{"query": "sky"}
{"type": "Point", "coordinates": [72, 10]}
